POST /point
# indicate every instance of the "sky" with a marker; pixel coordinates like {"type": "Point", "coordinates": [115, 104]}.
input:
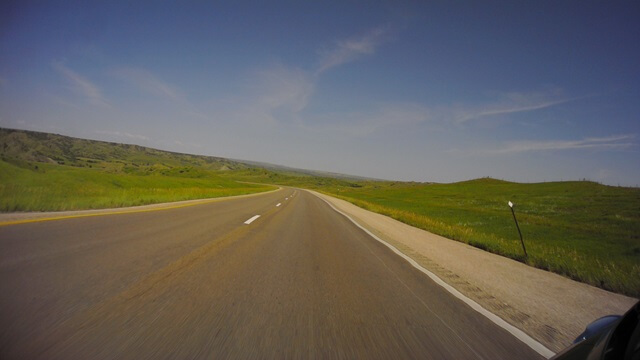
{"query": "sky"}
{"type": "Point", "coordinates": [438, 91]}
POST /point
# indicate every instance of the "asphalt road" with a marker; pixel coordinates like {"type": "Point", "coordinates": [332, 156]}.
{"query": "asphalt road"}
{"type": "Point", "coordinates": [300, 281]}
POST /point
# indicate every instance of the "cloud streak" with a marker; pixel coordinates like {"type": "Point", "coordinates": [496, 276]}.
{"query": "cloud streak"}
{"type": "Point", "coordinates": [351, 49]}
{"type": "Point", "coordinates": [510, 104]}
{"type": "Point", "coordinates": [284, 88]}
{"type": "Point", "coordinates": [363, 124]}
{"type": "Point", "coordinates": [82, 85]}
{"type": "Point", "coordinates": [270, 96]}
{"type": "Point", "coordinates": [281, 93]}
{"type": "Point", "coordinates": [123, 135]}
{"type": "Point", "coordinates": [617, 142]}
{"type": "Point", "coordinates": [508, 110]}
{"type": "Point", "coordinates": [148, 82]}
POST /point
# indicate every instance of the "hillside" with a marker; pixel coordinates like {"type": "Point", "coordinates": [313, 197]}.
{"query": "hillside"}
{"type": "Point", "coordinates": [304, 172]}
{"type": "Point", "coordinates": [48, 172]}
{"type": "Point", "coordinates": [21, 146]}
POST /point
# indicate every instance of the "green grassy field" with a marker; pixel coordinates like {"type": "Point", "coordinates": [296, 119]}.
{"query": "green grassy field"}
{"type": "Point", "coordinates": [49, 172]}
{"type": "Point", "coordinates": [49, 187]}
{"type": "Point", "coordinates": [583, 230]}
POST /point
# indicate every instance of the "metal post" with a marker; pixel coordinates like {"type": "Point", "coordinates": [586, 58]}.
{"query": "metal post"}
{"type": "Point", "coordinates": [518, 227]}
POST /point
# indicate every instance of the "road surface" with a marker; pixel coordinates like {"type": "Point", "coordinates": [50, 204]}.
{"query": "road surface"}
{"type": "Point", "coordinates": [216, 280]}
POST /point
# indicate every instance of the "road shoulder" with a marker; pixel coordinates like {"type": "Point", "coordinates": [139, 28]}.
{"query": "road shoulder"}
{"type": "Point", "coordinates": [550, 308]}
{"type": "Point", "coordinates": [26, 217]}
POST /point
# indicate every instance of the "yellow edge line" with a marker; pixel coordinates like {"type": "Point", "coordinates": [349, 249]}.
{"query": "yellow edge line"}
{"type": "Point", "coordinates": [132, 211]}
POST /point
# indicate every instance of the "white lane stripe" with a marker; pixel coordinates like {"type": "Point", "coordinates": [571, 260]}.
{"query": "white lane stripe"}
{"type": "Point", "coordinates": [278, 204]}
{"type": "Point", "coordinates": [519, 334]}
{"type": "Point", "coordinates": [251, 220]}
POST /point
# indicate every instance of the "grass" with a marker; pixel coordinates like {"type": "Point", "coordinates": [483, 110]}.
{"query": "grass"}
{"type": "Point", "coordinates": [48, 187]}
{"type": "Point", "coordinates": [49, 172]}
{"type": "Point", "coordinates": [37, 147]}
{"type": "Point", "coordinates": [586, 231]}
{"type": "Point", "coordinates": [583, 230]}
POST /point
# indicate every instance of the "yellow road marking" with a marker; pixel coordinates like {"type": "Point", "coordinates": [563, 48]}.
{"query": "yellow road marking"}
{"type": "Point", "coordinates": [131, 211]}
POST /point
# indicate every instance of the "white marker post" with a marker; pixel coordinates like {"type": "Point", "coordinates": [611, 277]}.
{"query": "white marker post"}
{"type": "Point", "coordinates": [518, 227]}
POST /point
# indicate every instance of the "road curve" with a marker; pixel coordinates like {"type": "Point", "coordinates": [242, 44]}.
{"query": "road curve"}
{"type": "Point", "coordinates": [297, 281]}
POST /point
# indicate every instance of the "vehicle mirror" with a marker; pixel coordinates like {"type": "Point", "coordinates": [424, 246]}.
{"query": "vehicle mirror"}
{"type": "Point", "coordinates": [596, 327]}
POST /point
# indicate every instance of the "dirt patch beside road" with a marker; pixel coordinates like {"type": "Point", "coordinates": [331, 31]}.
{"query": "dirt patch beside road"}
{"type": "Point", "coordinates": [550, 308]}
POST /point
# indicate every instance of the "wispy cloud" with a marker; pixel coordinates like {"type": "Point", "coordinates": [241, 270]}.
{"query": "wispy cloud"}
{"type": "Point", "coordinates": [284, 88]}
{"type": "Point", "coordinates": [280, 93]}
{"type": "Point", "coordinates": [499, 110]}
{"type": "Point", "coordinates": [272, 95]}
{"type": "Point", "coordinates": [617, 142]}
{"type": "Point", "coordinates": [123, 135]}
{"type": "Point", "coordinates": [150, 83]}
{"type": "Point", "coordinates": [188, 144]}
{"type": "Point", "coordinates": [363, 124]}
{"type": "Point", "coordinates": [82, 85]}
{"type": "Point", "coordinates": [351, 49]}
{"type": "Point", "coordinates": [511, 103]}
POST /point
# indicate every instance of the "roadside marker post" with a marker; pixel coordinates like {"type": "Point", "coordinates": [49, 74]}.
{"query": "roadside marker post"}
{"type": "Point", "coordinates": [518, 227]}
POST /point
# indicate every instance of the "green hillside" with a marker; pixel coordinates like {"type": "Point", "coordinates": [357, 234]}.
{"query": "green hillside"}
{"type": "Point", "coordinates": [47, 172]}
{"type": "Point", "coordinates": [31, 146]}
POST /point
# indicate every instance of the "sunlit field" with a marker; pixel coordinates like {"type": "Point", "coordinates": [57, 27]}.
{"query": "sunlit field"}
{"type": "Point", "coordinates": [56, 187]}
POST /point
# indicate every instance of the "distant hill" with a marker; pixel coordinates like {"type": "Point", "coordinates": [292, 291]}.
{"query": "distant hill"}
{"type": "Point", "coordinates": [31, 146]}
{"type": "Point", "coordinates": [305, 172]}
{"type": "Point", "coordinates": [22, 146]}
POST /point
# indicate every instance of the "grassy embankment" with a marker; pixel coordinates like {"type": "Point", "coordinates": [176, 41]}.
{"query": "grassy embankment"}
{"type": "Point", "coordinates": [48, 172]}
{"type": "Point", "coordinates": [583, 230]}
{"type": "Point", "coordinates": [53, 187]}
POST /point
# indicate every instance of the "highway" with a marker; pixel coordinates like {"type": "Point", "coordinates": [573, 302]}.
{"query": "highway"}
{"type": "Point", "coordinates": [278, 275]}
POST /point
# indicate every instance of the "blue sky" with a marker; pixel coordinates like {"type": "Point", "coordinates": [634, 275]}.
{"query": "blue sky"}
{"type": "Point", "coordinates": [441, 91]}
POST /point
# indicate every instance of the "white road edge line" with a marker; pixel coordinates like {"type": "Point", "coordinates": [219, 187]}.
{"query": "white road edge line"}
{"type": "Point", "coordinates": [251, 220]}
{"type": "Point", "coordinates": [519, 334]}
{"type": "Point", "coordinates": [278, 204]}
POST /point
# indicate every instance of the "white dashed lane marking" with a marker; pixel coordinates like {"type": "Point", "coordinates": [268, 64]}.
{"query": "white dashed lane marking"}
{"type": "Point", "coordinates": [251, 220]}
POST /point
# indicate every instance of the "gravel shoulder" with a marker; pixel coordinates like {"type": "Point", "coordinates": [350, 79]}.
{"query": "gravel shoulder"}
{"type": "Point", "coordinates": [550, 308]}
